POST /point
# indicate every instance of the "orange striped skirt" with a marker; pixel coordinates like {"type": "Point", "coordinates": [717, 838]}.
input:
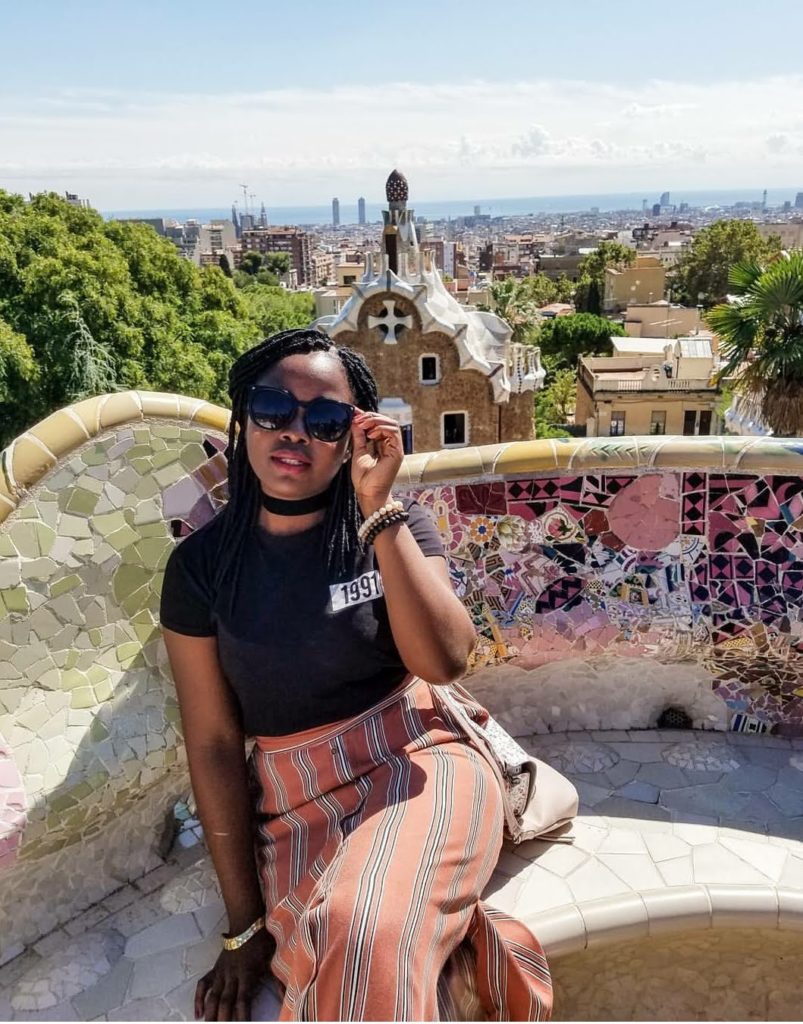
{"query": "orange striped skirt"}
{"type": "Point", "coordinates": [376, 837]}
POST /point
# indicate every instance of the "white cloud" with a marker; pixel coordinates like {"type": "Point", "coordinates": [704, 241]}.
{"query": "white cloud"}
{"type": "Point", "coordinates": [464, 139]}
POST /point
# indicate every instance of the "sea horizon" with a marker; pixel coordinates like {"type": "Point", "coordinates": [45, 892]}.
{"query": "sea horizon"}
{"type": "Point", "coordinates": [315, 215]}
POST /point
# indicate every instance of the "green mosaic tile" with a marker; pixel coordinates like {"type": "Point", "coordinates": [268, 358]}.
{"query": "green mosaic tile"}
{"type": "Point", "coordinates": [170, 474]}
{"type": "Point", "coordinates": [108, 522]}
{"type": "Point", "coordinates": [125, 652]}
{"type": "Point", "coordinates": [122, 538]}
{"type": "Point", "coordinates": [73, 677]}
{"type": "Point", "coordinates": [83, 697]}
{"type": "Point", "coordinates": [167, 430]}
{"type": "Point", "coordinates": [193, 456]}
{"type": "Point", "coordinates": [165, 458]}
{"type": "Point", "coordinates": [82, 502]}
{"type": "Point", "coordinates": [153, 529]}
{"type": "Point", "coordinates": [95, 674]}
{"type": "Point", "coordinates": [146, 633]}
{"type": "Point", "coordinates": [25, 539]}
{"type": "Point", "coordinates": [103, 691]}
{"type": "Point", "coordinates": [186, 434]}
{"type": "Point", "coordinates": [10, 572]}
{"type": "Point", "coordinates": [147, 488]}
{"type": "Point", "coordinates": [152, 553]}
{"type": "Point", "coordinates": [64, 585]}
{"type": "Point", "coordinates": [141, 466]}
{"type": "Point", "coordinates": [84, 547]}
{"type": "Point", "coordinates": [142, 435]}
{"type": "Point", "coordinates": [94, 456]}
{"type": "Point", "coordinates": [72, 659]}
{"type": "Point", "coordinates": [28, 511]}
{"type": "Point", "coordinates": [139, 451]}
{"type": "Point", "coordinates": [47, 495]}
{"type": "Point", "coordinates": [7, 549]}
{"type": "Point", "coordinates": [15, 599]}
{"type": "Point", "coordinates": [96, 636]}
{"type": "Point", "coordinates": [73, 526]}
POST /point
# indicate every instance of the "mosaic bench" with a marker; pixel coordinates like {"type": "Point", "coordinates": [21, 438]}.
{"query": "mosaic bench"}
{"type": "Point", "coordinates": [579, 560]}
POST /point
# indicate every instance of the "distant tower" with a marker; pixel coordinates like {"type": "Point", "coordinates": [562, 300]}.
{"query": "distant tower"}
{"type": "Point", "coordinates": [235, 221]}
{"type": "Point", "coordinates": [664, 199]}
{"type": "Point", "coordinates": [764, 200]}
{"type": "Point", "coordinates": [643, 205]}
{"type": "Point", "coordinates": [799, 201]}
{"type": "Point", "coordinates": [361, 210]}
{"type": "Point", "coordinates": [263, 217]}
{"type": "Point", "coordinates": [398, 234]}
{"type": "Point", "coordinates": [476, 211]}
{"type": "Point", "coordinates": [335, 212]}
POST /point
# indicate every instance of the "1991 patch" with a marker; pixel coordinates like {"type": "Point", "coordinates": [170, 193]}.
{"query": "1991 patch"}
{"type": "Point", "coordinates": [367, 587]}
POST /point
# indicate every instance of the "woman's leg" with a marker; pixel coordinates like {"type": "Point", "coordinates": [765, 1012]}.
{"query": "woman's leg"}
{"type": "Point", "coordinates": [402, 894]}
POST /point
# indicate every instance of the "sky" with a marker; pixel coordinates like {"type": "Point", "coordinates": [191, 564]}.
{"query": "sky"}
{"type": "Point", "coordinates": [167, 103]}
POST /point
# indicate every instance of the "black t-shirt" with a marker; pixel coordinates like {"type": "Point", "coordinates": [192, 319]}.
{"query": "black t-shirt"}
{"type": "Point", "coordinates": [297, 651]}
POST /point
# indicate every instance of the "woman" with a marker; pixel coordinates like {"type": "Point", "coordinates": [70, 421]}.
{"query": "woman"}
{"type": "Point", "coordinates": [377, 825]}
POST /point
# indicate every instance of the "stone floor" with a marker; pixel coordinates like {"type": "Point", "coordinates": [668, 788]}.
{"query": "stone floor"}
{"type": "Point", "coordinates": [660, 811]}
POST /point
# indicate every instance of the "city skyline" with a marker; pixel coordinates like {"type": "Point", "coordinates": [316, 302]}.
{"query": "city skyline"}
{"type": "Point", "coordinates": [147, 126]}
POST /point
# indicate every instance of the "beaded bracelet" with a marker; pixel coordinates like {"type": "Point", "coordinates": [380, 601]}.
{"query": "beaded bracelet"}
{"type": "Point", "coordinates": [391, 520]}
{"type": "Point", "coordinates": [375, 517]}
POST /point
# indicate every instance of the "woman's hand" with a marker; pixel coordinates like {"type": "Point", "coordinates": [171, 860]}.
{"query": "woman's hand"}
{"type": "Point", "coordinates": [227, 991]}
{"type": "Point", "coordinates": [374, 471]}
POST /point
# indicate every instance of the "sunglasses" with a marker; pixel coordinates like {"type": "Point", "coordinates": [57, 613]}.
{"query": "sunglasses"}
{"type": "Point", "coordinates": [275, 408]}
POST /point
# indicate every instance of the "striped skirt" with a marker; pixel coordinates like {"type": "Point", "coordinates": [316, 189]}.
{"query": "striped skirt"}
{"type": "Point", "coordinates": [376, 837]}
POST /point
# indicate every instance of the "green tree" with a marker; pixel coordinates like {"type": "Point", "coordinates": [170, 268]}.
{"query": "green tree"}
{"type": "Point", "coordinates": [510, 300]}
{"type": "Point", "coordinates": [251, 263]}
{"type": "Point", "coordinates": [554, 405]}
{"type": "Point", "coordinates": [700, 276]}
{"type": "Point", "coordinates": [565, 338]}
{"type": "Point", "coordinates": [278, 263]}
{"type": "Point", "coordinates": [89, 306]}
{"type": "Point", "coordinates": [591, 268]}
{"type": "Point", "coordinates": [761, 338]}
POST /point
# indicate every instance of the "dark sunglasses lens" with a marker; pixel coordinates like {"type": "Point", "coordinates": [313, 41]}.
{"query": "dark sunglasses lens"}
{"type": "Point", "coordinates": [271, 410]}
{"type": "Point", "coordinates": [328, 421]}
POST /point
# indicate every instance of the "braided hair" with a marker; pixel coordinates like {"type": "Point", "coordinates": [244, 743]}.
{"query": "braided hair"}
{"type": "Point", "coordinates": [241, 514]}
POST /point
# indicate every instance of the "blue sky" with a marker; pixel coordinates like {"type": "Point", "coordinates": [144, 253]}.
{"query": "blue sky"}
{"type": "Point", "coordinates": [175, 103]}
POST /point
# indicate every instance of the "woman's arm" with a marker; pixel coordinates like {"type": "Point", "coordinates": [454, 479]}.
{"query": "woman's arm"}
{"type": "Point", "coordinates": [432, 630]}
{"type": "Point", "coordinates": [215, 746]}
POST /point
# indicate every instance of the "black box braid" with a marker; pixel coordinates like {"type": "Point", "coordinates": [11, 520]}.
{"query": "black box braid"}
{"type": "Point", "coordinates": [343, 518]}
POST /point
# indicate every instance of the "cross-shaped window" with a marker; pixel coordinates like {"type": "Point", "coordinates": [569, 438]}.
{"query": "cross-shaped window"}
{"type": "Point", "coordinates": [391, 322]}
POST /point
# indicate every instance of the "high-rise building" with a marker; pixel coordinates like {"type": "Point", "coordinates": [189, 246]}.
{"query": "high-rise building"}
{"type": "Point", "coordinates": [361, 210]}
{"type": "Point", "coordinates": [263, 217]}
{"type": "Point", "coordinates": [296, 243]}
{"type": "Point", "coordinates": [335, 212]}
{"type": "Point", "coordinates": [643, 205]}
{"type": "Point", "coordinates": [799, 201]}
{"type": "Point", "coordinates": [476, 211]}
{"type": "Point", "coordinates": [656, 209]}
{"type": "Point", "coordinates": [664, 199]}
{"type": "Point", "coordinates": [787, 205]}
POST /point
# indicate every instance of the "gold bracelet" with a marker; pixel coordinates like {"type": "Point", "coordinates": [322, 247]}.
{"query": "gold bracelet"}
{"type": "Point", "coordinates": [236, 941]}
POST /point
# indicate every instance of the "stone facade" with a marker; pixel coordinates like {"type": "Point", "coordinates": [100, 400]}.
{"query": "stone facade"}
{"type": "Point", "coordinates": [400, 311]}
{"type": "Point", "coordinates": [397, 370]}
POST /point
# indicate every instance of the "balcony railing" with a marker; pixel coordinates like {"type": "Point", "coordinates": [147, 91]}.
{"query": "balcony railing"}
{"type": "Point", "coordinates": [649, 381]}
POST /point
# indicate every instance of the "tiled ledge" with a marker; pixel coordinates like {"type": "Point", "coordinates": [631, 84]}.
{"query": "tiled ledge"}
{"type": "Point", "coordinates": [36, 451]}
{"type": "Point", "coordinates": [659, 912]}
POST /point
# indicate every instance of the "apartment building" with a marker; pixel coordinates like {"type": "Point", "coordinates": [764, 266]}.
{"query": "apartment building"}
{"type": "Point", "coordinates": [649, 386]}
{"type": "Point", "coordinates": [296, 243]}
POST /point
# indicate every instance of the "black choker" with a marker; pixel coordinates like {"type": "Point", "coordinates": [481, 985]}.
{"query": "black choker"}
{"type": "Point", "coordinates": [296, 507]}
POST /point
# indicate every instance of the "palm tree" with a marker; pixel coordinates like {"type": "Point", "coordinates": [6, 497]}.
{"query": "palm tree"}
{"type": "Point", "coordinates": [511, 302]}
{"type": "Point", "coordinates": [761, 338]}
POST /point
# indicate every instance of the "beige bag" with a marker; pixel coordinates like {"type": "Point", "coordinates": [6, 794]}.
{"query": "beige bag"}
{"type": "Point", "coordinates": [539, 802]}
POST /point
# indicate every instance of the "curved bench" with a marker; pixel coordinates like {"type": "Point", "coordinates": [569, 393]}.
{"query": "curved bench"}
{"type": "Point", "coordinates": [578, 560]}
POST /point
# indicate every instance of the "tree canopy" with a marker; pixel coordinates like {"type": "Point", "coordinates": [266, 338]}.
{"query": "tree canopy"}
{"type": "Point", "coordinates": [700, 276]}
{"type": "Point", "coordinates": [564, 338]}
{"type": "Point", "coordinates": [88, 306]}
